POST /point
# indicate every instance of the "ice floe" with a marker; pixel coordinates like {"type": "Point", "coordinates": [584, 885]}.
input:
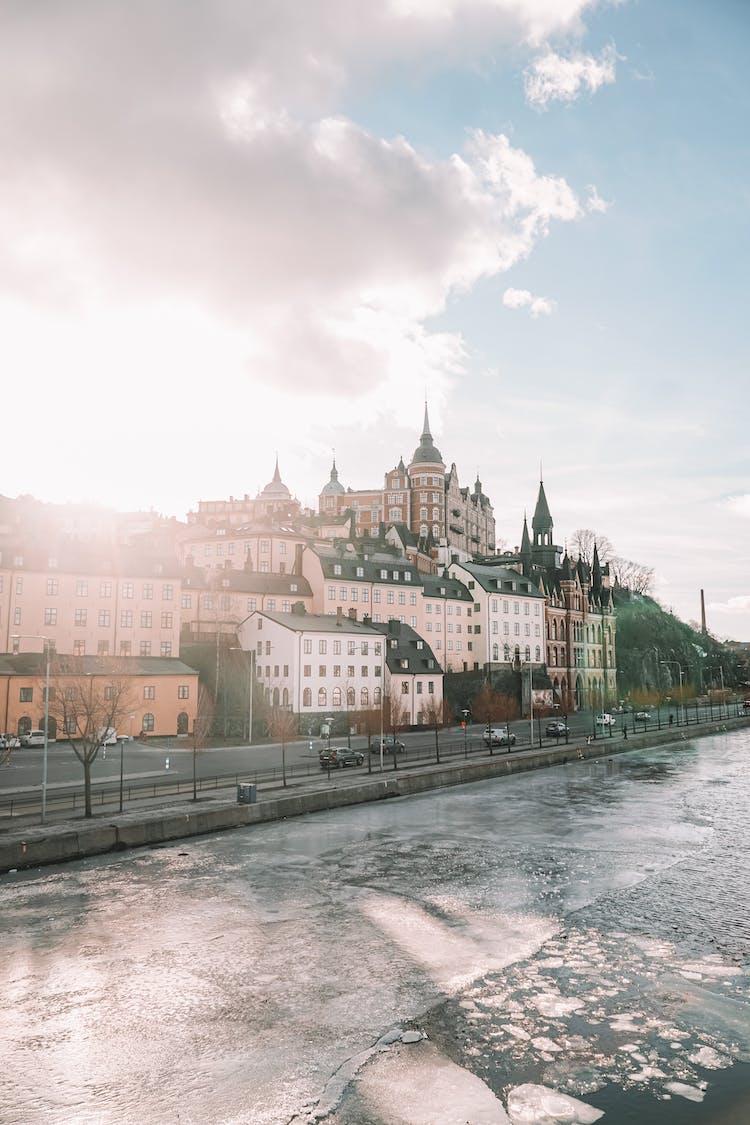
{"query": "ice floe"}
{"type": "Point", "coordinates": [531, 1104]}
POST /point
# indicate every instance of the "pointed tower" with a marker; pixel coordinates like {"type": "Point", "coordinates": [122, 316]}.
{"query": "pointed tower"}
{"type": "Point", "coordinates": [544, 551]}
{"type": "Point", "coordinates": [525, 552]}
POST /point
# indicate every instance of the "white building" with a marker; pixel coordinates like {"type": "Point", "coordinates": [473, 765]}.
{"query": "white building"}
{"type": "Point", "coordinates": [508, 615]}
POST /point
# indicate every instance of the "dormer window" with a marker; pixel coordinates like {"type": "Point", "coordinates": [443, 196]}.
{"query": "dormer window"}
{"type": "Point", "coordinates": [407, 576]}
{"type": "Point", "coordinates": [337, 568]}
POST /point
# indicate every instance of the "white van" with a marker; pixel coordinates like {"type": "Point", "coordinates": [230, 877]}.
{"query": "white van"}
{"type": "Point", "coordinates": [34, 738]}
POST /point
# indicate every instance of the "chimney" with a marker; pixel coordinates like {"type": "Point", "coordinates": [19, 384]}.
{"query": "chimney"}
{"type": "Point", "coordinates": [352, 614]}
{"type": "Point", "coordinates": [703, 613]}
{"type": "Point", "coordinates": [299, 609]}
{"type": "Point", "coordinates": [298, 549]}
{"type": "Point", "coordinates": [339, 615]}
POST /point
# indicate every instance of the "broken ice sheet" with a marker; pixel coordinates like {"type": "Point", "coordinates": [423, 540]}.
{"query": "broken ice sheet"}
{"type": "Point", "coordinates": [531, 1104]}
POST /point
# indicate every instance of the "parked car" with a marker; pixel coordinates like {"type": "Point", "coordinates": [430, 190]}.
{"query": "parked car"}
{"type": "Point", "coordinates": [390, 744]}
{"type": "Point", "coordinates": [34, 738]}
{"type": "Point", "coordinates": [499, 736]}
{"type": "Point", "coordinates": [746, 705]}
{"type": "Point", "coordinates": [338, 757]}
{"type": "Point", "coordinates": [9, 742]}
{"type": "Point", "coordinates": [605, 720]}
{"type": "Point", "coordinates": [642, 717]}
{"type": "Point", "coordinates": [557, 728]}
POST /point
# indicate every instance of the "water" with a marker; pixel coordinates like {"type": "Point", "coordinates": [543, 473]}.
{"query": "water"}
{"type": "Point", "coordinates": [583, 928]}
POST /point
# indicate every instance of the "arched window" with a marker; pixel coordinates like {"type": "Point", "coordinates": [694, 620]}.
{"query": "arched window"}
{"type": "Point", "coordinates": [183, 722]}
{"type": "Point", "coordinates": [364, 698]}
{"type": "Point", "coordinates": [275, 697]}
{"type": "Point", "coordinates": [285, 697]}
{"type": "Point", "coordinates": [148, 723]}
{"type": "Point", "coordinates": [351, 697]}
{"type": "Point", "coordinates": [322, 697]}
{"type": "Point", "coordinates": [376, 697]}
{"type": "Point", "coordinates": [538, 656]}
{"type": "Point", "coordinates": [506, 652]}
{"type": "Point", "coordinates": [307, 697]}
{"type": "Point", "coordinates": [336, 697]}
{"type": "Point", "coordinates": [495, 652]}
{"type": "Point", "coordinates": [527, 653]}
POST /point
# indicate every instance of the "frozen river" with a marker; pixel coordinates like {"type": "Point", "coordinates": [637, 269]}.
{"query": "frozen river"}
{"type": "Point", "coordinates": [557, 946]}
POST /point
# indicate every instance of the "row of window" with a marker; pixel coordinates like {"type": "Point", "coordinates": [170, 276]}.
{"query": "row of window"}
{"type": "Point", "coordinates": [106, 589]}
{"type": "Point", "coordinates": [104, 619]}
{"type": "Point", "coordinates": [125, 648]}
{"type": "Point", "coordinates": [26, 694]}
{"type": "Point", "coordinates": [365, 671]}
{"type": "Point", "coordinates": [337, 697]}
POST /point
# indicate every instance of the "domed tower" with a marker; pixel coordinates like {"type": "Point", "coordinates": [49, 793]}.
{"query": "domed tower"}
{"type": "Point", "coordinates": [427, 484]}
{"type": "Point", "coordinates": [327, 501]}
{"type": "Point", "coordinates": [275, 498]}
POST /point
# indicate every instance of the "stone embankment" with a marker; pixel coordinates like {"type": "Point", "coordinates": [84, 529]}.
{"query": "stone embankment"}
{"type": "Point", "coordinates": [38, 845]}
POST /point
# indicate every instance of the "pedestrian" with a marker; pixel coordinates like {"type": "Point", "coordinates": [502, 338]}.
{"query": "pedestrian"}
{"type": "Point", "coordinates": [625, 733]}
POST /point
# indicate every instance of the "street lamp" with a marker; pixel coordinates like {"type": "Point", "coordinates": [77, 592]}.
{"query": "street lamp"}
{"type": "Point", "coordinates": [47, 642]}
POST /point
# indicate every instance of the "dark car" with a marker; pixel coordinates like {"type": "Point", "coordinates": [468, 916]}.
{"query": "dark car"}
{"type": "Point", "coordinates": [499, 736]}
{"type": "Point", "coordinates": [556, 729]}
{"type": "Point", "coordinates": [390, 745]}
{"type": "Point", "coordinates": [338, 757]}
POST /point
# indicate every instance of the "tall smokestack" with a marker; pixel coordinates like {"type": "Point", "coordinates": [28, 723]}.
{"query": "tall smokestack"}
{"type": "Point", "coordinates": [703, 613]}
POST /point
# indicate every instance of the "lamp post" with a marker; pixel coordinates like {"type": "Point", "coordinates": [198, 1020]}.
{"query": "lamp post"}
{"type": "Point", "coordinates": [38, 636]}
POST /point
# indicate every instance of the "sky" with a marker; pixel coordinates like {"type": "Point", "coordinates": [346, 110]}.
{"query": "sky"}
{"type": "Point", "coordinates": [231, 231]}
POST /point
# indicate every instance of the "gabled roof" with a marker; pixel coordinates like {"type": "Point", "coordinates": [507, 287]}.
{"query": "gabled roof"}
{"type": "Point", "coordinates": [406, 652]}
{"type": "Point", "coordinates": [501, 579]}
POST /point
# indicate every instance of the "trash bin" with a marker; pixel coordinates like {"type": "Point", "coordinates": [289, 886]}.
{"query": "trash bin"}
{"type": "Point", "coordinates": [247, 794]}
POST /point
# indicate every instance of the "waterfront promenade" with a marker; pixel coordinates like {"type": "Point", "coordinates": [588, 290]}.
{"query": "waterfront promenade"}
{"type": "Point", "coordinates": [31, 845]}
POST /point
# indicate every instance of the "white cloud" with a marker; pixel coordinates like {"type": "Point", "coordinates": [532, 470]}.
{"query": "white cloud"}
{"type": "Point", "coordinates": [523, 299]}
{"type": "Point", "coordinates": [739, 505]}
{"type": "Point", "coordinates": [551, 77]}
{"type": "Point", "coordinates": [594, 202]}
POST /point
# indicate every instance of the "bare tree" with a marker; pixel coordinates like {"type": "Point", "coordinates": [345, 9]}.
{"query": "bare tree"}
{"type": "Point", "coordinates": [583, 541]}
{"type": "Point", "coordinates": [87, 709]}
{"type": "Point", "coordinates": [631, 575]}
{"type": "Point", "coordinates": [282, 726]}
{"type": "Point", "coordinates": [434, 713]}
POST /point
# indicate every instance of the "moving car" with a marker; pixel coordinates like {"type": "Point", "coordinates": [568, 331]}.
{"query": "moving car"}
{"type": "Point", "coordinates": [556, 728]}
{"type": "Point", "coordinates": [338, 757]}
{"type": "Point", "coordinates": [9, 742]}
{"type": "Point", "coordinates": [499, 736]}
{"type": "Point", "coordinates": [391, 745]}
{"type": "Point", "coordinates": [642, 717]}
{"type": "Point", "coordinates": [605, 720]}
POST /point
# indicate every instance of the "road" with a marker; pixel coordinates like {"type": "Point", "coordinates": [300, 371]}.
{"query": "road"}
{"type": "Point", "coordinates": [171, 761]}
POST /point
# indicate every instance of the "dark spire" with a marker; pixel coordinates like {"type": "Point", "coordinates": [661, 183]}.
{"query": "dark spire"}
{"type": "Point", "coordinates": [525, 540]}
{"type": "Point", "coordinates": [596, 572]}
{"type": "Point", "coordinates": [426, 452]}
{"type": "Point", "coordinates": [542, 520]}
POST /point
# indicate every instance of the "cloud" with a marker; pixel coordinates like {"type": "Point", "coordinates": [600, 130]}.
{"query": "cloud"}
{"type": "Point", "coordinates": [551, 77]}
{"type": "Point", "coordinates": [739, 505]}
{"type": "Point", "coordinates": [165, 154]}
{"type": "Point", "coordinates": [594, 202]}
{"type": "Point", "coordinates": [522, 299]}
{"type": "Point", "coordinates": [738, 605]}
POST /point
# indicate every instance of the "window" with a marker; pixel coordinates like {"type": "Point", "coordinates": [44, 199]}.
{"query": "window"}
{"type": "Point", "coordinates": [148, 723]}
{"type": "Point", "coordinates": [322, 647]}
{"type": "Point", "coordinates": [322, 673]}
{"type": "Point", "coordinates": [80, 616]}
{"type": "Point", "coordinates": [251, 605]}
{"type": "Point", "coordinates": [128, 589]}
{"type": "Point", "coordinates": [79, 648]}
{"type": "Point", "coordinates": [337, 568]}
{"type": "Point", "coordinates": [19, 585]}
{"type": "Point", "coordinates": [126, 648]}
{"type": "Point", "coordinates": [336, 697]}
{"type": "Point", "coordinates": [53, 587]}
{"type": "Point", "coordinates": [26, 695]}
{"type": "Point", "coordinates": [149, 691]}
{"type": "Point", "coordinates": [102, 648]}
{"type": "Point", "coordinates": [146, 619]}
{"type": "Point", "coordinates": [307, 697]}
{"type": "Point", "coordinates": [50, 616]}
{"type": "Point", "coordinates": [322, 697]}
{"type": "Point", "coordinates": [431, 687]}
{"type": "Point", "coordinates": [350, 671]}
{"type": "Point", "coordinates": [145, 648]}
{"type": "Point", "coordinates": [183, 691]}
{"type": "Point", "coordinates": [82, 588]}
{"type": "Point", "coordinates": [104, 619]}
{"type": "Point", "coordinates": [351, 697]}
{"type": "Point", "coordinates": [331, 593]}
{"type": "Point", "coordinates": [165, 648]}
{"type": "Point", "coordinates": [186, 601]}
{"type": "Point", "coordinates": [166, 620]}
{"type": "Point", "coordinates": [364, 697]}
{"type": "Point", "coordinates": [17, 615]}
{"type": "Point", "coordinates": [307, 645]}
{"type": "Point", "coordinates": [126, 618]}
{"type": "Point", "coordinates": [404, 687]}
{"type": "Point", "coordinates": [148, 591]}
{"type": "Point", "coordinates": [307, 670]}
